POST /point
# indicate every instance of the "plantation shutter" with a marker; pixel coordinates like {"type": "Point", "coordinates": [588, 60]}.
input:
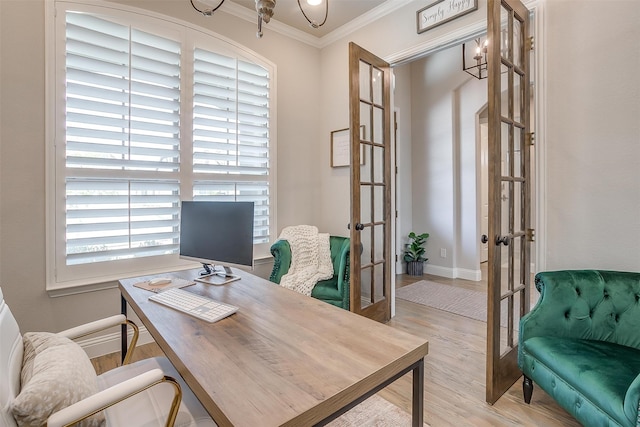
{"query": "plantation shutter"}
{"type": "Point", "coordinates": [122, 141]}
{"type": "Point", "coordinates": [231, 133]}
{"type": "Point", "coordinates": [147, 112]}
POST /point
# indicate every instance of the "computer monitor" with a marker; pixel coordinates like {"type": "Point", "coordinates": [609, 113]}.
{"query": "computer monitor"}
{"type": "Point", "coordinates": [217, 234]}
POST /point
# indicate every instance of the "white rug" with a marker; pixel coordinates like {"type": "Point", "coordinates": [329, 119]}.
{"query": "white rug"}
{"type": "Point", "coordinates": [374, 412]}
{"type": "Point", "coordinates": [465, 302]}
{"type": "Point", "coordinates": [461, 301]}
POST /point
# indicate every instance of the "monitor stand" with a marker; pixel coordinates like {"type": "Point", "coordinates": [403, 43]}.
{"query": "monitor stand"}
{"type": "Point", "coordinates": [212, 276]}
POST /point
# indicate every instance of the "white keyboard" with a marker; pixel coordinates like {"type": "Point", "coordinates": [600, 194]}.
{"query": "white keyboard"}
{"type": "Point", "coordinates": [195, 305]}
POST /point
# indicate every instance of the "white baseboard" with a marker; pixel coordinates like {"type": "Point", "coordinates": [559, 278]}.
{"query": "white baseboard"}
{"type": "Point", "coordinates": [453, 273]}
{"type": "Point", "coordinates": [474, 275]}
{"type": "Point", "coordinates": [110, 343]}
{"type": "Point", "coordinates": [437, 270]}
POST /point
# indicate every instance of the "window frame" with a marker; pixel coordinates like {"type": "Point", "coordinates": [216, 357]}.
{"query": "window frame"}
{"type": "Point", "coordinates": [62, 279]}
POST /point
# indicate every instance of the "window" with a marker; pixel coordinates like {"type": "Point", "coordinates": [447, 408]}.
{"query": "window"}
{"type": "Point", "coordinates": [148, 114]}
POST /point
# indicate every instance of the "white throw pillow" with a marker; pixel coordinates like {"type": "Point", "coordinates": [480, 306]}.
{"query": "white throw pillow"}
{"type": "Point", "coordinates": [56, 373]}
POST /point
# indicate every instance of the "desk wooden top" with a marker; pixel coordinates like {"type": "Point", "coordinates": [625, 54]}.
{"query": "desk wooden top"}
{"type": "Point", "coordinates": [281, 359]}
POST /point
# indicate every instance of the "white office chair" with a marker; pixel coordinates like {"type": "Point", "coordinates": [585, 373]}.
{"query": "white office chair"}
{"type": "Point", "coordinates": [146, 393]}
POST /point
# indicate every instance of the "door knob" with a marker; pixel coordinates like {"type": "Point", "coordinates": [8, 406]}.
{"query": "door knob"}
{"type": "Point", "coordinates": [359, 226]}
{"type": "Point", "coordinates": [504, 240]}
{"type": "Point", "coordinates": [484, 238]}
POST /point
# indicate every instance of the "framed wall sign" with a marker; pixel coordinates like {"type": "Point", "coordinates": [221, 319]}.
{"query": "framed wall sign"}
{"type": "Point", "coordinates": [340, 151]}
{"type": "Point", "coordinates": [443, 11]}
{"type": "Point", "coordinates": [341, 147]}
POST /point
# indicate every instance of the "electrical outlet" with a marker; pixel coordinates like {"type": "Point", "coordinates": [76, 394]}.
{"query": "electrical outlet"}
{"type": "Point", "coordinates": [443, 253]}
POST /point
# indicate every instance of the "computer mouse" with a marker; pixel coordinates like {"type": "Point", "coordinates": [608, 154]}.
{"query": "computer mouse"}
{"type": "Point", "coordinates": [159, 281]}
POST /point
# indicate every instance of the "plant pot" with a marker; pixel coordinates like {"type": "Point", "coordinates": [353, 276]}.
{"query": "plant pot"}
{"type": "Point", "coordinates": [415, 268]}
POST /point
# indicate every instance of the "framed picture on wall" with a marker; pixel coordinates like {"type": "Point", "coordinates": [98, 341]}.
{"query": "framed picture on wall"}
{"type": "Point", "coordinates": [341, 147]}
{"type": "Point", "coordinates": [340, 152]}
{"type": "Point", "coordinates": [441, 11]}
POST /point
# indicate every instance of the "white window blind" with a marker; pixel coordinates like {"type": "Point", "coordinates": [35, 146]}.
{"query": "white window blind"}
{"type": "Point", "coordinates": [123, 97]}
{"type": "Point", "coordinates": [231, 116]}
{"type": "Point", "coordinates": [122, 119]}
{"type": "Point", "coordinates": [149, 112]}
{"type": "Point", "coordinates": [119, 219]}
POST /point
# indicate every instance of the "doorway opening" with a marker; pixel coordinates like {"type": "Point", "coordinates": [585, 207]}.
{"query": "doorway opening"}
{"type": "Point", "coordinates": [441, 184]}
{"type": "Point", "coordinates": [439, 161]}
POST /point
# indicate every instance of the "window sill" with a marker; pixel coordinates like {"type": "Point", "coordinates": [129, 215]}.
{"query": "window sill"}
{"type": "Point", "coordinates": [103, 283]}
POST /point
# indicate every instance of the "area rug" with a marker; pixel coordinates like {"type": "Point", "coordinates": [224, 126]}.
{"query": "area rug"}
{"type": "Point", "coordinates": [464, 302]}
{"type": "Point", "coordinates": [374, 412]}
{"type": "Point", "coordinates": [460, 301]}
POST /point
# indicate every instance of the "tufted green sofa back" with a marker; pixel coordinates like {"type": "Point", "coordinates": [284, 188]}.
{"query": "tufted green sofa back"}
{"type": "Point", "coordinates": [586, 304]}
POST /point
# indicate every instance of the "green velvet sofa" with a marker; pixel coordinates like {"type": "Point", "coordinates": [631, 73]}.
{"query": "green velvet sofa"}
{"type": "Point", "coordinates": [334, 290]}
{"type": "Point", "coordinates": [581, 344]}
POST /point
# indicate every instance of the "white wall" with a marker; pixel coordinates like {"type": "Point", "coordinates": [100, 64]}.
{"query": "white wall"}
{"type": "Point", "coordinates": [469, 99]}
{"type": "Point", "coordinates": [22, 159]}
{"type": "Point", "coordinates": [432, 159]}
{"type": "Point", "coordinates": [444, 161]}
{"type": "Point", "coordinates": [593, 135]}
{"type": "Point", "coordinates": [334, 196]}
{"type": "Point", "coordinates": [404, 178]}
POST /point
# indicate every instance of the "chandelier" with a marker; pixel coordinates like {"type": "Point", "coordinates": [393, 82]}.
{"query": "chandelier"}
{"type": "Point", "coordinates": [264, 8]}
{"type": "Point", "coordinates": [476, 65]}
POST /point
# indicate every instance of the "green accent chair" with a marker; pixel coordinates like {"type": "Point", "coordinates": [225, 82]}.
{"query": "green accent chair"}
{"type": "Point", "coordinates": [581, 344]}
{"type": "Point", "coordinates": [334, 290]}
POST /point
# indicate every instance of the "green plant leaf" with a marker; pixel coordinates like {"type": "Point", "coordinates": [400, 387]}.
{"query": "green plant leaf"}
{"type": "Point", "coordinates": [415, 250]}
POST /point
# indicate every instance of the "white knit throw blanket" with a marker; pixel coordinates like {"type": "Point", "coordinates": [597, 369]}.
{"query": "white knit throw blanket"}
{"type": "Point", "coordinates": [310, 258]}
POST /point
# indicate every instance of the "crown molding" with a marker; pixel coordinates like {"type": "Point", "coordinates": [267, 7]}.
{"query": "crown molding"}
{"type": "Point", "coordinates": [273, 25]}
{"type": "Point", "coordinates": [362, 21]}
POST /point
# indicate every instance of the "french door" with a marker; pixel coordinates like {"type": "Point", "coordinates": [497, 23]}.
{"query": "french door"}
{"type": "Point", "coordinates": [510, 232]}
{"type": "Point", "coordinates": [371, 219]}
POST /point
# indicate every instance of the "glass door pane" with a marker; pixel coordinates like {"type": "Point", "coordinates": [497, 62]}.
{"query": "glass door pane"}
{"type": "Point", "coordinates": [370, 115]}
{"type": "Point", "coordinates": [508, 189]}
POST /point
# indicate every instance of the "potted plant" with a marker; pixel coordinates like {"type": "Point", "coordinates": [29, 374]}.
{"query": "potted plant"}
{"type": "Point", "coordinates": [414, 253]}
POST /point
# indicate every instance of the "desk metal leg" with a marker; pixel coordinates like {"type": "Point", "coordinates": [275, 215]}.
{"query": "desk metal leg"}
{"type": "Point", "coordinates": [418, 395]}
{"type": "Point", "coordinates": [417, 406]}
{"type": "Point", "coordinates": [123, 329]}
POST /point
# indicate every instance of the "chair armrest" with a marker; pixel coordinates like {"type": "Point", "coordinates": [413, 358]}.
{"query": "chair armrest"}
{"type": "Point", "coordinates": [102, 324]}
{"type": "Point", "coordinates": [95, 326]}
{"type": "Point", "coordinates": [113, 395]}
{"type": "Point", "coordinates": [281, 252]}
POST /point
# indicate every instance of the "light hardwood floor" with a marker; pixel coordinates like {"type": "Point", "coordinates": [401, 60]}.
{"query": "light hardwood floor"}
{"type": "Point", "coordinates": [454, 371]}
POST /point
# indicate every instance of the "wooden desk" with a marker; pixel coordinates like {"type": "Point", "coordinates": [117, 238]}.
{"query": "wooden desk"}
{"type": "Point", "coordinates": [283, 359]}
